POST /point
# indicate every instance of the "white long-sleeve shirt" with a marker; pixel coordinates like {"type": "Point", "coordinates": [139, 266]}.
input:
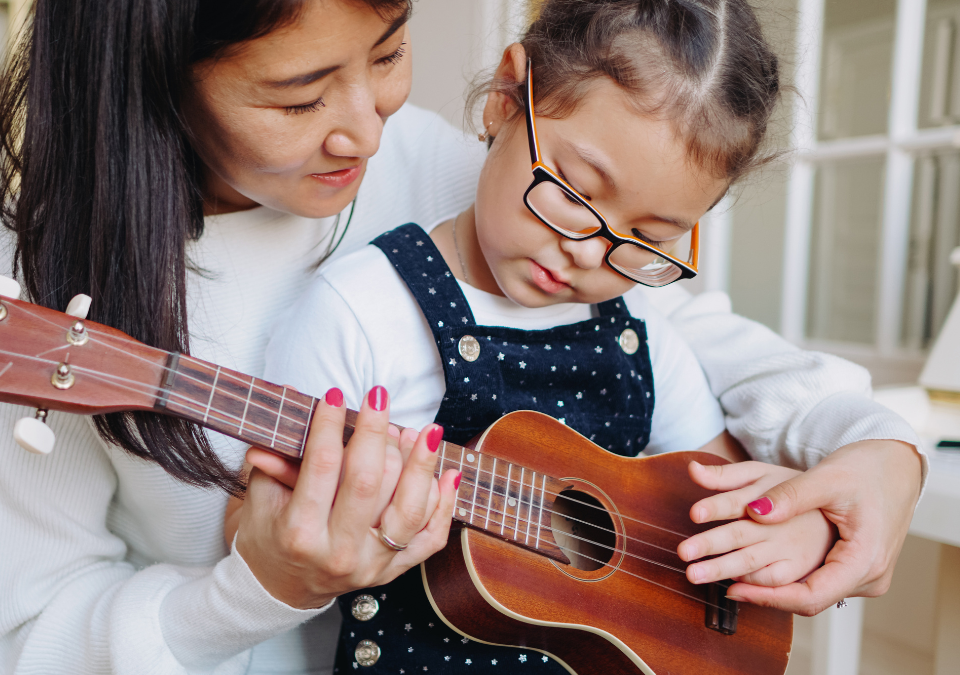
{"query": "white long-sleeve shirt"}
{"type": "Point", "coordinates": [109, 565]}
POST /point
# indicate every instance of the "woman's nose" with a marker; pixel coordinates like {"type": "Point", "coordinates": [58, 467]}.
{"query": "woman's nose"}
{"type": "Point", "coordinates": [587, 254]}
{"type": "Point", "coordinates": [360, 126]}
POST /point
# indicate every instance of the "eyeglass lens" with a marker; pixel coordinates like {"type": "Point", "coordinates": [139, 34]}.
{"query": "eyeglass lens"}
{"type": "Point", "coordinates": [568, 216]}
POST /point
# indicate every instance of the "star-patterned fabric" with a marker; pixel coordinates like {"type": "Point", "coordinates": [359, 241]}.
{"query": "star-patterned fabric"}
{"type": "Point", "coordinates": [577, 373]}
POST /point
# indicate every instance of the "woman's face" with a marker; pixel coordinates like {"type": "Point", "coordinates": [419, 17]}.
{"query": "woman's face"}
{"type": "Point", "coordinates": [290, 119]}
{"type": "Point", "coordinates": [635, 169]}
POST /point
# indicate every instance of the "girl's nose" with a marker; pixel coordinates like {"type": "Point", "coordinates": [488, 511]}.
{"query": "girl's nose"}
{"type": "Point", "coordinates": [360, 127]}
{"type": "Point", "coordinates": [587, 254]}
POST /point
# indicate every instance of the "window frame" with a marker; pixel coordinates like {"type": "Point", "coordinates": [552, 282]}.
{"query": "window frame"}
{"type": "Point", "coordinates": [903, 143]}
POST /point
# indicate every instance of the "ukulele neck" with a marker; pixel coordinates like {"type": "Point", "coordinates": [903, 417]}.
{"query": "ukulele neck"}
{"type": "Point", "coordinates": [503, 499]}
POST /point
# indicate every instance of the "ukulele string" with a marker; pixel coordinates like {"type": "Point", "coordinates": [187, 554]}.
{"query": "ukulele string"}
{"type": "Point", "coordinates": [568, 517]}
{"type": "Point", "coordinates": [103, 342]}
{"type": "Point", "coordinates": [291, 444]}
{"type": "Point", "coordinates": [638, 576]}
{"type": "Point", "coordinates": [613, 549]}
{"type": "Point", "coordinates": [550, 492]}
{"type": "Point", "coordinates": [117, 381]}
{"type": "Point", "coordinates": [518, 519]}
{"type": "Point", "coordinates": [140, 388]}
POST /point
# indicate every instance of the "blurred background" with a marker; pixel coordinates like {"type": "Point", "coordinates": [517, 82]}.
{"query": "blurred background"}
{"type": "Point", "coordinates": [843, 246]}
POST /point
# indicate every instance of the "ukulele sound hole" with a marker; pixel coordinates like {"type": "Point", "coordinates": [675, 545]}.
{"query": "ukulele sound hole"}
{"type": "Point", "coordinates": [583, 529]}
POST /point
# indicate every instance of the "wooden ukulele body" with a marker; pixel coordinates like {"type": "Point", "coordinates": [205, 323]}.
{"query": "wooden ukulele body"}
{"type": "Point", "coordinates": [633, 615]}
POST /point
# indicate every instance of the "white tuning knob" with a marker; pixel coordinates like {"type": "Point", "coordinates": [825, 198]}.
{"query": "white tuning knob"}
{"type": "Point", "coordinates": [9, 288]}
{"type": "Point", "coordinates": [79, 306]}
{"type": "Point", "coordinates": [32, 434]}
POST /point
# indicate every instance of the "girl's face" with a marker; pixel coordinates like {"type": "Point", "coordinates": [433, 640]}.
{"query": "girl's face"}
{"type": "Point", "coordinates": [289, 120]}
{"type": "Point", "coordinates": [633, 168]}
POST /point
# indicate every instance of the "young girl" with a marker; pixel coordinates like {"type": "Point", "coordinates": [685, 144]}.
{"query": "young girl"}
{"type": "Point", "coordinates": [614, 126]}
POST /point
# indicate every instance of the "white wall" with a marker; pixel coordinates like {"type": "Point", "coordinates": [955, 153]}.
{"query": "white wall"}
{"type": "Point", "coordinates": [452, 41]}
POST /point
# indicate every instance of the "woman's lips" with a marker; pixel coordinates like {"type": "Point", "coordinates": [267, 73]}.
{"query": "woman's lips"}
{"type": "Point", "coordinates": [338, 179]}
{"type": "Point", "coordinates": [544, 279]}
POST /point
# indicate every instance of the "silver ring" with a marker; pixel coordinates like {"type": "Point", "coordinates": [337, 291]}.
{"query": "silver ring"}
{"type": "Point", "coordinates": [842, 604]}
{"type": "Point", "coordinates": [388, 542]}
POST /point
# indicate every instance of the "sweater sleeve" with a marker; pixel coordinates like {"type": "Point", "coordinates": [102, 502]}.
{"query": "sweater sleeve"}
{"type": "Point", "coordinates": [71, 603]}
{"type": "Point", "coordinates": [785, 405]}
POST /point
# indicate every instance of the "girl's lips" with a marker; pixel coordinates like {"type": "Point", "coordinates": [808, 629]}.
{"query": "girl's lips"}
{"type": "Point", "coordinates": [544, 280]}
{"type": "Point", "coordinates": [338, 179]}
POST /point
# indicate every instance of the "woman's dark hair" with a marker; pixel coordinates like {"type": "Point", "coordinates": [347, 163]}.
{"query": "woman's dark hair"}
{"type": "Point", "coordinates": [101, 185]}
{"type": "Point", "coordinates": [703, 63]}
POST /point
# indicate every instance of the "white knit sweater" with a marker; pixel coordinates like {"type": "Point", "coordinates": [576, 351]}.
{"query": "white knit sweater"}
{"type": "Point", "coordinates": [109, 565]}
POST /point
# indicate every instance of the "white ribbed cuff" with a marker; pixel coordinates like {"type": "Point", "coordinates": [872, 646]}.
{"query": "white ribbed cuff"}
{"type": "Point", "coordinates": [847, 418]}
{"type": "Point", "coordinates": [225, 612]}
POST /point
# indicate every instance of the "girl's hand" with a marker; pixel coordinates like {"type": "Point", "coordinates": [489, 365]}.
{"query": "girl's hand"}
{"type": "Point", "coordinates": [765, 555]}
{"type": "Point", "coordinates": [309, 544]}
{"type": "Point", "coordinates": [869, 491]}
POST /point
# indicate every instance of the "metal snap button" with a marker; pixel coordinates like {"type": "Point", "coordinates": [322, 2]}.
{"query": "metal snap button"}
{"type": "Point", "coordinates": [364, 607]}
{"type": "Point", "coordinates": [367, 653]}
{"type": "Point", "coordinates": [469, 348]}
{"type": "Point", "coordinates": [629, 341]}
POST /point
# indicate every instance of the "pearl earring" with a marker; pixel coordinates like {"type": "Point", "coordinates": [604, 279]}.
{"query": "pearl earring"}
{"type": "Point", "coordinates": [485, 136]}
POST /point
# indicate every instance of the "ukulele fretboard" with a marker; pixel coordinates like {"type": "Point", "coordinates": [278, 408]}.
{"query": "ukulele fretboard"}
{"type": "Point", "coordinates": [504, 499]}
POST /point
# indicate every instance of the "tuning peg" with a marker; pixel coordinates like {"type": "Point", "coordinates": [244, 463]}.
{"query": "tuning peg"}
{"type": "Point", "coordinates": [9, 288]}
{"type": "Point", "coordinates": [31, 433]}
{"type": "Point", "coordinates": [79, 306]}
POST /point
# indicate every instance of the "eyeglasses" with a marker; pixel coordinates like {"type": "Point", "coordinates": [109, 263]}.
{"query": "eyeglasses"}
{"type": "Point", "coordinates": [564, 210]}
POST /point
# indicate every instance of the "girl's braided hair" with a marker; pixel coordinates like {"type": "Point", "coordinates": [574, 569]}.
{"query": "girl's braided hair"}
{"type": "Point", "coordinates": [703, 63]}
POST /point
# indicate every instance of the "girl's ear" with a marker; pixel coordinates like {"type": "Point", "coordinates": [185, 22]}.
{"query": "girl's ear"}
{"type": "Point", "coordinates": [500, 107]}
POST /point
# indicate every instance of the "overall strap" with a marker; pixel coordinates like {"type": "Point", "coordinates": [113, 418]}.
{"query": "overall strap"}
{"type": "Point", "coordinates": [421, 266]}
{"type": "Point", "coordinates": [615, 307]}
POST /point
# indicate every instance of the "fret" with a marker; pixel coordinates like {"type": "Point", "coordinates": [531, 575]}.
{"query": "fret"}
{"type": "Point", "coordinates": [463, 512]}
{"type": "Point", "coordinates": [533, 481]}
{"type": "Point", "coordinates": [246, 406]}
{"type": "Point", "coordinates": [443, 456]}
{"type": "Point", "coordinates": [276, 427]}
{"type": "Point", "coordinates": [543, 489]}
{"type": "Point", "coordinates": [516, 517]}
{"type": "Point", "coordinates": [306, 434]}
{"type": "Point", "coordinates": [476, 486]}
{"type": "Point", "coordinates": [493, 487]}
{"type": "Point", "coordinates": [506, 500]}
{"type": "Point", "coordinates": [213, 390]}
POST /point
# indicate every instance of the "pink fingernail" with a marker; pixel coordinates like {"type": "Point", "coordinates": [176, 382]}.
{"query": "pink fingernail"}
{"type": "Point", "coordinates": [434, 436]}
{"type": "Point", "coordinates": [456, 481]}
{"type": "Point", "coordinates": [762, 506]}
{"type": "Point", "coordinates": [334, 398]}
{"type": "Point", "coordinates": [377, 398]}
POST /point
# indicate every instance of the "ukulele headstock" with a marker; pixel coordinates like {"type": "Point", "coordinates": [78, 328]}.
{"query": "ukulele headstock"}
{"type": "Point", "coordinates": [51, 360]}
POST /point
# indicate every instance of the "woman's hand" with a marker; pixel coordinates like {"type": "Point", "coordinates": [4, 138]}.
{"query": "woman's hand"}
{"type": "Point", "coordinates": [309, 544]}
{"type": "Point", "coordinates": [868, 490]}
{"type": "Point", "coordinates": [767, 555]}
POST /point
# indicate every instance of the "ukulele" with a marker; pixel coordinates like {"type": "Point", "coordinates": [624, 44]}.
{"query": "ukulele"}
{"type": "Point", "coordinates": [559, 546]}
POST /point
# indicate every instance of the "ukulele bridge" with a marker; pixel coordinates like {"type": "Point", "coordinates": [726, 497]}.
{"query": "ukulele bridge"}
{"type": "Point", "coordinates": [721, 611]}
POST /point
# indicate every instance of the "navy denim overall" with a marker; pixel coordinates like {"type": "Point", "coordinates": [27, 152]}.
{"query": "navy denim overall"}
{"type": "Point", "coordinates": [577, 373]}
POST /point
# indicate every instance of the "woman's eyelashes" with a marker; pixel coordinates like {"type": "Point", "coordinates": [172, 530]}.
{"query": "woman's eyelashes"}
{"type": "Point", "coordinates": [395, 57]}
{"type": "Point", "coordinates": [306, 107]}
{"type": "Point", "coordinates": [314, 106]}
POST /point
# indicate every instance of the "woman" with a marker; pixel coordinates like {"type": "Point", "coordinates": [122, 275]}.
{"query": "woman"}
{"type": "Point", "coordinates": [181, 163]}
